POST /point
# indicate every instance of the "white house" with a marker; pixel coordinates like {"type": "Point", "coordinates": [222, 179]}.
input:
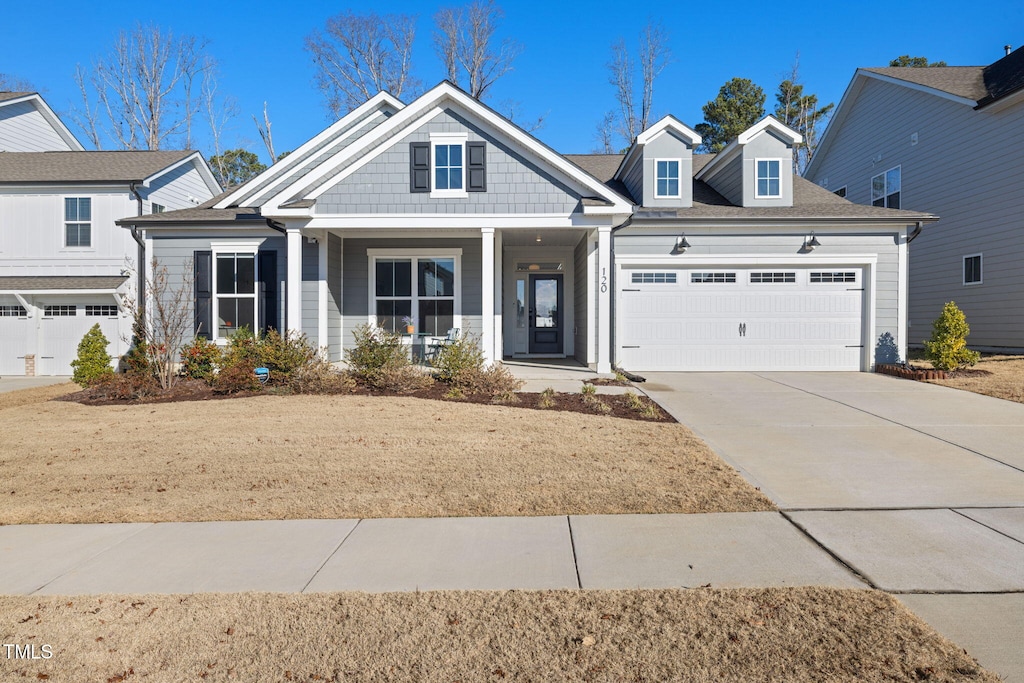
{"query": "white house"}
{"type": "Point", "coordinates": [444, 211]}
{"type": "Point", "coordinates": [64, 264]}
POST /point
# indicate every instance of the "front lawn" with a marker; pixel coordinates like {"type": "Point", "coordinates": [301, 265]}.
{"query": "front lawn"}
{"type": "Point", "coordinates": [775, 634]}
{"type": "Point", "coordinates": [296, 457]}
{"type": "Point", "coordinates": [994, 375]}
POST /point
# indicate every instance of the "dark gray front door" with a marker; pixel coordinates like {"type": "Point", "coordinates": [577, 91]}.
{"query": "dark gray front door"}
{"type": "Point", "coordinates": [546, 314]}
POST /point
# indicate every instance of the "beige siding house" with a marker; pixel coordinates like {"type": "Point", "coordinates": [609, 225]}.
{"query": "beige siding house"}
{"type": "Point", "coordinates": [949, 141]}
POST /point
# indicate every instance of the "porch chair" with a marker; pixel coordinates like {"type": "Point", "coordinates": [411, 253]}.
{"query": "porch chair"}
{"type": "Point", "coordinates": [435, 344]}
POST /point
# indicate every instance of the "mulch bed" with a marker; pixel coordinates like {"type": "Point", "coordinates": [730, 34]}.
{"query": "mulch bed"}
{"type": "Point", "coordinates": [196, 390]}
{"type": "Point", "coordinates": [608, 382]}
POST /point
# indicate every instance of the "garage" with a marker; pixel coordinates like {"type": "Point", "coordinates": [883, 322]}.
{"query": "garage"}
{"type": "Point", "coordinates": [62, 327]}
{"type": "Point", "coordinates": [14, 330]}
{"type": "Point", "coordinates": [718, 318]}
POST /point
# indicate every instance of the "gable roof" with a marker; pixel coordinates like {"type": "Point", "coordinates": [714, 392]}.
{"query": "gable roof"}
{"type": "Point", "coordinates": [967, 82]}
{"type": "Point", "coordinates": [733, 149]}
{"type": "Point", "coordinates": [9, 98]}
{"type": "Point", "coordinates": [92, 167]}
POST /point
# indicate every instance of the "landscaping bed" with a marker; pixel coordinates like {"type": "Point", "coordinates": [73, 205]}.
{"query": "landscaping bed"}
{"type": "Point", "coordinates": [1001, 376]}
{"type": "Point", "coordinates": [774, 634]}
{"type": "Point", "coordinates": [348, 456]}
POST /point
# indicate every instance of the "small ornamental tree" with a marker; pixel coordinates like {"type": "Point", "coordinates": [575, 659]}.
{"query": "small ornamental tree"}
{"type": "Point", "coordinates": [93, 362]}
{"type": "Point", "coordinates": [947, 348]}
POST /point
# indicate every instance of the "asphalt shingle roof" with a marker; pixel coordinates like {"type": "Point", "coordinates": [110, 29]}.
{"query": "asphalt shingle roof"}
{"type": "Point", "coordinates": [8, 95]}
{"type": "Point", "coordinates": [39, 283]}
{"type": "Point", "coordinates": [73, 167]}
{"type": "Point", "coordinates": [962, 81]}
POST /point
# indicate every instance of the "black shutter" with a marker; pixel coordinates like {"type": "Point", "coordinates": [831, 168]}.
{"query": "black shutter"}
{"type": "Point", "coordinates": [269, 291]}
{"type": "Point", "coordinates": [419, 167]}
{"type": "Point", "coordinates": [476, 167]}
{"type": "Point", "coordinates": [203, 261]}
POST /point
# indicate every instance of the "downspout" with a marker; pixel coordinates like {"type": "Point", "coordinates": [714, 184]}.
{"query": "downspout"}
{"type": "Point", "coordinates": [611, 304]}
{"type": "Point", "coordinates": [141, 256]}
{"type": "Point", "coordinates": [274, 225]}
{"type": "Point", "coordinates": [917, 231]}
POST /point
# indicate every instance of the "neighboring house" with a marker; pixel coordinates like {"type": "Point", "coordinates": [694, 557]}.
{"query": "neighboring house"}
{"type": "Point", "coordinates": [443, 210]}
{"type": "Point", "coordinates": [948, 140]}
{"type": "Point", "coordinates": [64, 264]}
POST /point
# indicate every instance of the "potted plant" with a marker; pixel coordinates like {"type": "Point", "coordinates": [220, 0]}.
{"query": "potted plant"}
{"type": "Point", "coordinates": [410, 324]}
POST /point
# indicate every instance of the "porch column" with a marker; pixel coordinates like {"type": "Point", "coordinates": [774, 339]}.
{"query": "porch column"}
{"type": "Point", "coordinates": [604, 300]}
{"type": "Point", "coordinates": [499, 310]}
{"type": "Point", "coordinates": [487, 293]}
{"type": "Point", "coordinates": [321, 326]}
{"type": "Point", "coordinates": [293, 283]}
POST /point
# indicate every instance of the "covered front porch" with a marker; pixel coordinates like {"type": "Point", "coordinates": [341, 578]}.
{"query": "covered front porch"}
{"type": "Point", "coordinates": [528, 293]}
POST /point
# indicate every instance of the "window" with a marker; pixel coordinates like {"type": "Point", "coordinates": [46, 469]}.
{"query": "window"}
{"type": "Point", "coordinates": [234, 294]}
{"type": "Point", "coordinates": [13, 312]}
{"type": "Point", "coordinates": [158, 208]}
{"type": "Point", "coordinates": [666, 173]}
{"type": "Point", "coordinates": [972, 269]}
{"type": "Point", "coordinates": [772, 278]}
{"type": "Point", "coordinates": [429, 299]}
{"type": "Point", "coordinates": [841, 192]}
{"type": "Point", "coordinates": [819, 278]}
{"type": "Point", "coordinates": [448, 167]}
{"type": "Point", "coordinates": [712, 278]}
{"type": "Point", "coordinates": [654, 278]}
{"type": "Point", "coordinates": [60, 311]}
{"type": "Point", "coordinates": [769, 183]}
{"type": "Point", "coordinates": [885, 189]}
{"type": "Point", "coordinates": [77, 222]}
{"type": "Point", "coordinates": [101, 310]}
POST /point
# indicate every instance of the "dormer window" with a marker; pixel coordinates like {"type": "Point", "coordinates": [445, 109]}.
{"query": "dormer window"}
{"type": "Point", "coordinates": [448, 166]}
{"type": "Point", "coordinates": [769, 178]}
{"type": "Point", "coordinates": [666, 178]}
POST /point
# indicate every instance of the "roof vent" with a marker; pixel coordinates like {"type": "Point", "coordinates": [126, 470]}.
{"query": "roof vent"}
{"type": "Point", "coordinates": [1008, 49]}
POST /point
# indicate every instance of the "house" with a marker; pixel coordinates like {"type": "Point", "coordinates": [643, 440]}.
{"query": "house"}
{"type": "Point", "coordinates": [64, 264]}
{"type": "Point", "coordinates": [444, 211]}
{"type": "Point", "coordinates": [947, 140]}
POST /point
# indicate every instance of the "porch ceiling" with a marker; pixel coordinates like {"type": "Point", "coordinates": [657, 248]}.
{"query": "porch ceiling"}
{"type": "Point", "coordinates": [548, 238]}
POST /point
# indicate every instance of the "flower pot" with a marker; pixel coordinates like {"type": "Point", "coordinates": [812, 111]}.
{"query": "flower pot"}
{"type": "Point", "coordinates": [408, 329]}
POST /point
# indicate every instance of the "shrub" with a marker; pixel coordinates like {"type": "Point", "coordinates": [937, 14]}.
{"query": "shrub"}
{"type": "Point", "coordinates": [243, 348]}
{"type": "Point", "coordinates": [319, 377]}
{"type": "Point", "coordinates": [93, 362]}
{"type": "Point", "coordinates": [236, 378]}
{"type": "Point", "coordinates": [200, 359]}
{"type": "Point", "coordinates": [588, 390]}
{"type": "Point", "coordinates": [128, 386]}
{"type": "Point", "coordinates": [376, 351]}
{"type": "Point", "coordinates": [547, 398]}
{"type": "Point", "coordinates": [633, 401]}
{"type": "Point", "coordinates": [285, 354]}
{"type": "Point", "coordinates": [461, 364]}
{"type": "Point", "coordinates": [947, 348]}
{"type": "Point", "coordinates": [402, 379]}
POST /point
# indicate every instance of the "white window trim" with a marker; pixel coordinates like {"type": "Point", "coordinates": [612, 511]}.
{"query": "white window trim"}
{"type": "Point", "coordinates": [844, 190]}
{"type": "Point", "coordinates": [981, 267]}
{"type": "Point", "coordinates": [447, 139]}
{"type": "Point", "coordinates": [757, 194]}
{"type": "Point", "coordinates": [885, 195]}
{"type": "Point", "coordinates": [679, 179]}
{"type": "Point", "coordinates": [414, 254]}
{"type": "Point", "coordinates": [238, 248]}
{"type": "Point", "coordinates": [64, 222]}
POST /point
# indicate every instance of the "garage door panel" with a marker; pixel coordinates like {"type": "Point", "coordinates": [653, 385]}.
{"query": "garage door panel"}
{"type": "Point", "coordinates": [784, 324]}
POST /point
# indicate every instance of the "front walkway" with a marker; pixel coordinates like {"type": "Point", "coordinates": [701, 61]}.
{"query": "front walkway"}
{"type": "Point", "coordinates": [918, 488]}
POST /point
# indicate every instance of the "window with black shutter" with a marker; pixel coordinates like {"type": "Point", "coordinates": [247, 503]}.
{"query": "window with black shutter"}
{"type": "Point", "coordinates": [203, 265]}
{"type": "Point", "coordinates": [419, 167]}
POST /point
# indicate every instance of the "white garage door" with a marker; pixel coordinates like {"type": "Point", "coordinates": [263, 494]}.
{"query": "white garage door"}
{"type": "Point", "coordinates": [62, 327]}
{"type": "Point", "coordinates": [741, 319]}
{"type": "Point", "coordinates": [14, 329]}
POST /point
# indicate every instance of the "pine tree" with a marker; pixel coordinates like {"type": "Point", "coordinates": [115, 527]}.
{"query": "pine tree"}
{"type": "Point", "coordinates": [93, 362]}
{"type": "Point", "coordinates": [739, 105]}
{"type": "Point", "coordinates": [947, 348]}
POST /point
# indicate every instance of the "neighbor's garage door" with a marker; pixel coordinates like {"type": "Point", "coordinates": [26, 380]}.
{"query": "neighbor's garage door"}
{"type": "Point", "coordinates": [62, 328]}
{"type": "Point", "coordinates": [741, 319]}
{"type": "Point", "coordinates": [14, 330]}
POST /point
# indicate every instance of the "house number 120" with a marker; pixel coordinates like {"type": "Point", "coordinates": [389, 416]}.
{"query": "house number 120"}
{"type": "Point", "coordinates": [604, 280]}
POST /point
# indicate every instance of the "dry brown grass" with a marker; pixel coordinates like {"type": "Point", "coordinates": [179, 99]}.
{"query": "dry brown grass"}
{"type": "Point", "coordinates": [26, 397]}
{"type": "Point", "coordinates": [780, 634]}
{"type": "Point", "coordinates": [1002, 377]}
{"type": "Point", "coordinates": [289, 457]}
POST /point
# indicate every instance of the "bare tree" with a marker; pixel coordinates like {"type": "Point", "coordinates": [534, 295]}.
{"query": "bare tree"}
{"type": "Point", "coordinates": [219, 112]}
{"type": "Point", "coordinates": [465, 42]}
{"type": "Point", "coordinates": [11, 83]}
{"type": "Point", "coordinates": [164, 323]}
{"type": "Point", "coordinates": [654, 56]}
{"type": "Point", "coordinates": [146, 92]}
{"type": "Point", "coordinates": [265, 134]}
{"type": "Point", "coordinates": [802, 113]}
{"type": "Point", "coordinates": [605, 133]}
{"type": "Point", "coordinates": [513, 111]}
{"type": "Point", "coordinates": [360, 55]}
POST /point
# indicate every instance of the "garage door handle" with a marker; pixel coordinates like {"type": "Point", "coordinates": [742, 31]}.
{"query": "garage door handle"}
{"type": "Point", "coordinates": [631, 347]}
{"type": "Point", "coordinates": [743, 329]}
{"type": "Point", "coordinates": [630, 290]}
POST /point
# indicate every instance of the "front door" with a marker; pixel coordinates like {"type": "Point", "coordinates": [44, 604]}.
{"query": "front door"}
{"type": "Point", "coordinates": [546, 314]}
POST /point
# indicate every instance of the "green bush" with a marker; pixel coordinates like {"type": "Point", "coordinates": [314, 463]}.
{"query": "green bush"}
{"type": "Point", "coordinates": [200, 359]}
{"type": "Point", "coordinates": [285, 354]}
{"type": "Point", "coordinates": [375, 353]}
{"type": "Point", "coordinates": [947, 348]}
{"type": "Point", "coordinates": [242, 349]}
{"type": "Point", "coordinates": [93, 362]}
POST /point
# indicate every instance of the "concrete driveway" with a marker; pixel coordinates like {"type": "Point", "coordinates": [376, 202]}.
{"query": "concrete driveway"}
{"type": "Point", "coordinates": [917, 488]}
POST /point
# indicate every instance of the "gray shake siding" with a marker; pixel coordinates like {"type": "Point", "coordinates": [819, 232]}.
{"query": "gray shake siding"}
{"type": "Point", "coordinates": [514, 183]}
{"type": "Point", "coordinates": [782, 245]}
{"type": "Point", "coordinates": [965, 167]}
{"type": "Point", "coordinates": [355, 304]}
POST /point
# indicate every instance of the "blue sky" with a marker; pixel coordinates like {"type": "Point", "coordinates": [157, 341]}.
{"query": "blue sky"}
{"type": "Point", "coordinates": [561, 73]}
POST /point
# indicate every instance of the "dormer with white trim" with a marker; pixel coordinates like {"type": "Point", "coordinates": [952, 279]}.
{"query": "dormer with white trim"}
{"type": "Point", "coordinates": [756, 169]}
{"type": "Point", "coordinates": [658, 169]}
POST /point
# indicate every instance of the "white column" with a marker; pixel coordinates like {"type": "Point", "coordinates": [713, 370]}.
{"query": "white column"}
{"type": "Point", "coordinates": [604, 300]}
{"type": "Point", "coordinates": [322, 333]}
{"type": "Point", "coordinates": [499, 279]}
{"type": "Point", "coordinates": [487, 293]}
{"type": "Point", "coordinates": [293, 283]}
